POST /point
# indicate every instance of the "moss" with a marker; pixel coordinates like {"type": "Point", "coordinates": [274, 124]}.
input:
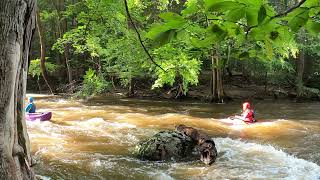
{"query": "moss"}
{"type": "Point", "coordinates": [165, 145]}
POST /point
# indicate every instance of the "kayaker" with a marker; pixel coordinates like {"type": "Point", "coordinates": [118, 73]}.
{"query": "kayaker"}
{"type": "Point", "coordinates": [31, 107]}
{"type": "Point", "coordinates": [247, 114]}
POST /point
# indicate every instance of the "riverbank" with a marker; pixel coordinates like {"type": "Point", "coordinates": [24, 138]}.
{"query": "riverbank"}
{"type": "Point", "coordinates": [236, 88]}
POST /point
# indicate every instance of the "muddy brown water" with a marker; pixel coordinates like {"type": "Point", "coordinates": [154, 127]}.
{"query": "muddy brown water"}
{"type": "Point", "coordinates": [94, 139]}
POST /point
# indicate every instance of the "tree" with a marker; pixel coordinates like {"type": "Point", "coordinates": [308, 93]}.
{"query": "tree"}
{"type": "Point", "coordinates": [40, 29]}
{"type": "Point", "coordinates": [17, 24]}
{"type": "Point", "coordinates": [258, 31]}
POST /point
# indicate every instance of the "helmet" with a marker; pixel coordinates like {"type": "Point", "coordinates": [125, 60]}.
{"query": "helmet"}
{"type": "Point", "coordinates": [30, 99]}
{"type": "Point", "coordinates": [246, 105]}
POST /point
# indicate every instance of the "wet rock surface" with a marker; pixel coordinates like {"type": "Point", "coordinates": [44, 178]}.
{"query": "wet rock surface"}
{"type": "Point", "coordinates": [177, 145]}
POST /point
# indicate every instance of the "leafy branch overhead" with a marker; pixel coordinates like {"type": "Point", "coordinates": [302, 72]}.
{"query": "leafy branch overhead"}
{"type": "Point", "coordinates": [243, 20]}
{"type": "Point", "coordinates": [139, 36]}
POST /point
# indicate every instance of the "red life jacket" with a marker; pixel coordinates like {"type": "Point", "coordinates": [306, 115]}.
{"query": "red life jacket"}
{"type": "Point", "coordinates": [250, 117]}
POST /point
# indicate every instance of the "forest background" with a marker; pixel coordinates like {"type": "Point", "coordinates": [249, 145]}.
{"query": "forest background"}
{"type": "Point", "coordinates": [209, 50]}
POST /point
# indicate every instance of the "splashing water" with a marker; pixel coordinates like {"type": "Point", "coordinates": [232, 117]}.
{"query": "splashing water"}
{"type": "Point", "coordinates": [94, 140]}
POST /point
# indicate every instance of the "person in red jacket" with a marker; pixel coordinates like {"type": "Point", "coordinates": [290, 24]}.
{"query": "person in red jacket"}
{"type": "Point", "coordinates": [247, 114]}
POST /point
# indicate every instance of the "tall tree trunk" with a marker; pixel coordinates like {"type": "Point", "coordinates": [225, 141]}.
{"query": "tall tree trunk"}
{"type": "Point", "coordinates": [266, 82]}
{"type": "Point", "coordinates": [66, 49]}
{"type": "Point", "coordinates": [42, 50]}
{"type": "Point", "coordinates": [228, 61]}
{"type": "Point", "coordinates": [300, 70]}
{"type": "Point", "coordinates": [62, 28]}
{"type": "Point", "coordinates": [300, 65]}
{"type": "Point", "coordinates": [17, 23]}
{"type": "Point", "coordinates": [216, 90]}
{"type": "Point", "coordinates": [130, 88]}
{"type": "Point", "coordinates": [213, 95]}
{"type": "Point", "coordinates": [219, 67]}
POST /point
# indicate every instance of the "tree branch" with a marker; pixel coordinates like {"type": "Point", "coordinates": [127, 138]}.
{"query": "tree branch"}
{"type": "Point", "coordinates": [42, 41]}
{"type": "Point", "coordinates": [139, 36]}
{"type": "Point", "coordinates": [278, 15]}
{"type": "Point", "coordinates": [289, 10]}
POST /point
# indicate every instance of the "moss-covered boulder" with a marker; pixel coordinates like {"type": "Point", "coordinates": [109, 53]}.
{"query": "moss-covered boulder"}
{"type": "Point", "coordinates": [165, 145]}
{"type": "Point", "coordinates": [177, 145]}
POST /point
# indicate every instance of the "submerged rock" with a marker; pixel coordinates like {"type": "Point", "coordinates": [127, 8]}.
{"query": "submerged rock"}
{"type": "Point", "coordinates": [177, 145]}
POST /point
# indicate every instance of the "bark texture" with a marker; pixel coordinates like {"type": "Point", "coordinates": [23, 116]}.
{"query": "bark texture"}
{"type": "Point", "coordinates": [300, 64]}
{"type": "Point", "coordinates": [216, 89]}
{"type": "Point", "coordinates": [17, 24]}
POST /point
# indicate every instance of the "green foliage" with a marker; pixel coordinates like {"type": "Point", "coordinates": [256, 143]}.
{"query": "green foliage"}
{"type": "Point", "coordinates": [262, 14]}
{"type": "Point", "coordinates": [251, 25]}
{"type": "Point", "coordinates": [180, 37]}
{"type": "Point", "coordinates": [108, 42]}
{"type": "Point", "coordinates": [35, 70]}
{"type": "Point", "coordinates": [126, 59]}
{"type": "Point", "coordinates": [93, 84]}
{"type": "Point", "coordinates": [178, 66]}
{"type": "Point", "coordinates": [245, 22]}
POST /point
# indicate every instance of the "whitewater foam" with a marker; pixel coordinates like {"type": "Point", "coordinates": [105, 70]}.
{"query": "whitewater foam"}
{"type": "Point", "coordinates": [251, 160]}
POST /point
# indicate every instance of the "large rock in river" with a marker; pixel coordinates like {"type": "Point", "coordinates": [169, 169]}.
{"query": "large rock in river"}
{"type": "Point", "coordinates": [177, 145]}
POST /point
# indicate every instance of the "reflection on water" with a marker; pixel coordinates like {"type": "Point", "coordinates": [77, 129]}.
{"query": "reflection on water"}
{"type": "Point", "coordinates": [93, 140]}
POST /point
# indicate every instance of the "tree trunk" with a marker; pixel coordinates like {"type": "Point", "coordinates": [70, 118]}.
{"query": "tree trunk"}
{"type": "Point", "coordinates": [228, 60]}
{"type": "Point", "coordinates": [300, 70]}
{"type": "Point", "coordinates": [266, 82]}
{"type": "Point", "coordinates": [17, 22]}
{"type": "Point", "coordinates": [61, 7]}
{"type": "Point", "coordinates": [213, 95]}
{"type": "Point", "coordinates": [216, 89]}
{"type": "Point", "coordinates": [62, 28]}
{"type": "Point", "coordinates": [300, 65]}
{"type": "Point", "coordinates": [66, 49]}
{"type": "Point", "coordinates": [131, 88]}
{"type": "Point", "coordinates": [219, 67]}
{"type": "Point", "coordinates": [42, 50]}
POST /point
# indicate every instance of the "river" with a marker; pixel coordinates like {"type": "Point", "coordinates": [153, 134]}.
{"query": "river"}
{"type": "Point", "coordinates": [94, 139]}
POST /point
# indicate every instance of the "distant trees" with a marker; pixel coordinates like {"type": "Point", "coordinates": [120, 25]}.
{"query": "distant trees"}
{"type": "Point", "coordinates": [181, 40]}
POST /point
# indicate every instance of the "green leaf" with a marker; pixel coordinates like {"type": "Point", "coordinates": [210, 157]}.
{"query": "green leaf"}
{"type": "Point", "coordinates": [191, 8]}
{"type": "Point", "coordinates": [298, 21]}
{"type": "Point", "coordinates": [235, 14]}
{"type": "Point", "coordinates": [222, 6]}
{"type": "Point", "coordinates": [311, 3]}
{"type": "Point", "coordinates": [313, 27]}
{"type": "Point", "coordinates": [252, 16]}
{"type": "Point", "coordinates": [166, 37]}
{"type": "Point", "coordinates": [206, 42]}
{"type": "Point", "coordinates": [170, 16]}
{"type": "Point", "coordinates": [209, 3]}
{"type": "Point", "coordinates": [262, 14]}
{"type": "Point", "coordinates": [295, 12]}
{"type": "Point", "coordinates": [257, 33]}
{"type": "Point", "coordinates": [157, 29]}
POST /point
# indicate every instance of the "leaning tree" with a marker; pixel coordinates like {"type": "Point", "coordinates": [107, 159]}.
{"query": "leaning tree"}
{"type": "Point", "coordinates": [17, 23]}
